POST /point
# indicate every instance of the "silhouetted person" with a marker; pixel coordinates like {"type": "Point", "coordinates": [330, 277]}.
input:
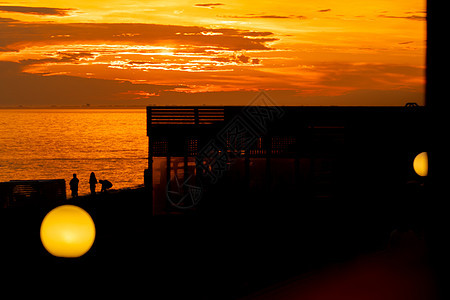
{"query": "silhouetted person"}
{"type": "Point", "coordinates": [106, 184]}
{"type": "Point", "coordinates": [92, 183]}
{"type": "Point", "coordinates": [74, 185]}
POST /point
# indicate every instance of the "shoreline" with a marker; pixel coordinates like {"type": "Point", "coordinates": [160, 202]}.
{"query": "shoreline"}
{"type": "Point", "coordinates": [139, 187]}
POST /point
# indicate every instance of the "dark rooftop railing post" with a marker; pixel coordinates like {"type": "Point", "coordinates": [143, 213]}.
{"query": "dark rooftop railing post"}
{"type": "Point", "coordinates": [148, 174]}
{"type": "Point", "coordinates": [247, 169]}
{"type": "Point", "coordinates": [168, 168]}
{"type": "Point", "coordinates": [185, 167]}
{"type": "Point", "coordinates": [196, 116]}
{"type": "Point", "coordinates": [268, 161]}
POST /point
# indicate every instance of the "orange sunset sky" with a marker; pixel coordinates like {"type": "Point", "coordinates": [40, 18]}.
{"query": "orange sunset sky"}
{"type": "Point", "coordinates": [221, 52]}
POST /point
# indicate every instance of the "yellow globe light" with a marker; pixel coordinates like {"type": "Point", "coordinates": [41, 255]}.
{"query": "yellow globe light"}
{"type": "Point", "coordinates": [67, 231]}
{"type": "Point", "coordinates": [420, 164]}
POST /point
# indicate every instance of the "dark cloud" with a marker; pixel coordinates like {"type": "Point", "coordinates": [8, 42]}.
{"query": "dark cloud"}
{"type": "Point", "coordinates": [368, 76]}
{"type": "Point", "coordinates": [247, 60]}
{"type": "Point", "coordinates": [24, 34]}
{"type": "Point", "coordinates": [208, 5]}
{"type": "Point", "coordinates": [264, 17]}
{"type": "Point", "coordinates": [242, 58]}
{"type": "Point", "coordinates": [255, 16]}
{"type": "Point", "coordinates": [18, 88]}
{"type": "Point", "coordinates": [362, 97]}
{"type": "Point", "coordinates": [324, 10]}
{"type": "Point", "coordinates": [411, 17]}
{"type": "Point", "coordinates": [370, 97]}
{"type": "Point", "coordinates": [237, 58]}
{"type": "Point", "coordinates": [37, 10]}
{"type": "Point", "coordinates": [415, 12]}
{"type": "Point", "coordinates": [60, 57]}
{"type": "Point", "coordinates": [7, 20]}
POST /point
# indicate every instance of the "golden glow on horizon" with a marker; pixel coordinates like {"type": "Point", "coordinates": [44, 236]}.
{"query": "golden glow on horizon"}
{"type": "Point", "coordinates": [317, 48]}
{"type": "Point", "coordinates": [420, 164]}
{"type": "Point", "coordinates": [67, 231]}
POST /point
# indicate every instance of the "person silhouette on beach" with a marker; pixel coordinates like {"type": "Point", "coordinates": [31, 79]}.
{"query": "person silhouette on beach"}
{"type": "Point", "coordinates": [106, 184]}
{"type": "Point", "coordinates": [92, 183]}
{"type": "Point", "coordinates": [74, 185]}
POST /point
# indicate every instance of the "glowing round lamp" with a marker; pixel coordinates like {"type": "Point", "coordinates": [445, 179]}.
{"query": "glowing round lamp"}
{"type": "Point", "coordinates": [420, 164]}
{"type": "Point", "coordinates": [67, 231]}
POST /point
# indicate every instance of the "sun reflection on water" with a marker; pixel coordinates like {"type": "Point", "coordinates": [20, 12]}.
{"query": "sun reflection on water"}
{"type": "Point", "coordinates": [55, 143]}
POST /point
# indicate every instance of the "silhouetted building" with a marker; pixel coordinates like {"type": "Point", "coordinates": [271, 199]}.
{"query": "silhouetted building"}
{"type": "Point", "coordinates": [279, 158]}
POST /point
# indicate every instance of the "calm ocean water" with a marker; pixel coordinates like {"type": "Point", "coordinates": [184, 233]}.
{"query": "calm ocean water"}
{"type": "Point", "coordinates": [55, 143]}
